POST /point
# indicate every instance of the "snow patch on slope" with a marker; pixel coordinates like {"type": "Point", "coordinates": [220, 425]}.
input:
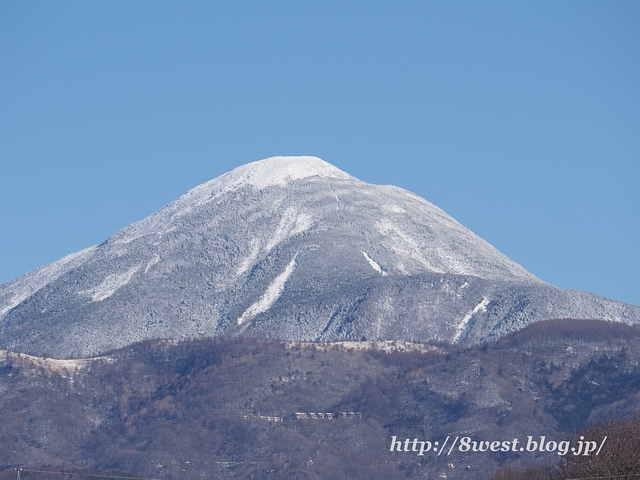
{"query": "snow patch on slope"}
{"type": "Point", "coordinates": [270, 296]}
{"type": "Point", "coordinates": [109, 285]}
{"type": "Point", "coordinates": [403, 244]}
{"type": "Point", "coordinates": [482, 306]}
{"type": "Point", "coordinates": [374, 264]}
{"type": "Point", "coordinates": [291, 223]}
{"type": "Point", "coordinates": [249, 259]}
{"type": "Point", "coordinates": [15, 292]}
{"type": "Point", "coordinates": [152, 262]}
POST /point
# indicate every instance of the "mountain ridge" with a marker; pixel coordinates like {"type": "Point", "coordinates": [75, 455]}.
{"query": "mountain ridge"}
{"type": "Point", "coordinates": [287, 248]}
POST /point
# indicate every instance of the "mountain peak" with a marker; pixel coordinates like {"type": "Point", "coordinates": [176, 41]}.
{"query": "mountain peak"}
{"type": "Point", "coordinates": [290, 248]}
{"type": "Point", "coordinates": [280, 171]}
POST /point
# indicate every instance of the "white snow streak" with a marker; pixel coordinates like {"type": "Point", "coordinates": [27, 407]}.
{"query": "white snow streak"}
{"type": "Point", "coordinates": [482, 306]}
{"type": "Point", "coordinates": [403, 244]}
{"type": "Point", "coordinates": [110, 284]}
{"type": "Point", "coordinates": [152, 262]}
{"type": "Point", "coordinates": [291, 223]}
{"type": "Point", "coordinates": [26, 285]}
{"type": "Point", "coordinates": [270, 296]}
{"type": "Point", "coordinates": [374, 264]}
{"type": "Point", "coordinates": [248, 261]}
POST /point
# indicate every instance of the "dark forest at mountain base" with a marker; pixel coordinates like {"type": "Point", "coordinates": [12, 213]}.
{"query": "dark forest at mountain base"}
{"type": "Point", "coordinates": [620, 461]}
{"type": "Point", "coordinates": [249, 408]}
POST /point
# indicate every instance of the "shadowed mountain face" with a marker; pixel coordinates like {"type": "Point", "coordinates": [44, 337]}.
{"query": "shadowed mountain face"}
{"type": "Point", "coordinates": [289, 248]}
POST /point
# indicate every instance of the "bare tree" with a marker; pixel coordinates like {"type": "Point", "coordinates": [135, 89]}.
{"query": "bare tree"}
{"type": "Point", "coordinates": [619, 457]}
{"type": "Point", "coordinates": [607, 450]}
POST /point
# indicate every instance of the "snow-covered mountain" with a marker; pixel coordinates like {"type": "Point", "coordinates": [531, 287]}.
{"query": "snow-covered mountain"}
{"type": "Point", "coordinates": [290, 248]}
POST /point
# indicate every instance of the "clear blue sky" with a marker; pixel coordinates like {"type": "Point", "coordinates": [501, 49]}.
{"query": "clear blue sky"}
{"type": "Point", "coordinates": [519, 119]}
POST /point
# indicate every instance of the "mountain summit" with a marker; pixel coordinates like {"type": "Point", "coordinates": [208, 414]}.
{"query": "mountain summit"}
{"type": "Point", "coordinates": [290, 248]}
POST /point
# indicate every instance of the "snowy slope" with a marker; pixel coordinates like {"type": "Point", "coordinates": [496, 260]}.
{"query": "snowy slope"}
{"type": "Point", "coordinates": [291, 248]}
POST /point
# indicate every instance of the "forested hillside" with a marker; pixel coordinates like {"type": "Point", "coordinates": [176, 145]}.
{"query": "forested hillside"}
{"type": "Point", "coordinates": [247, 408]}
